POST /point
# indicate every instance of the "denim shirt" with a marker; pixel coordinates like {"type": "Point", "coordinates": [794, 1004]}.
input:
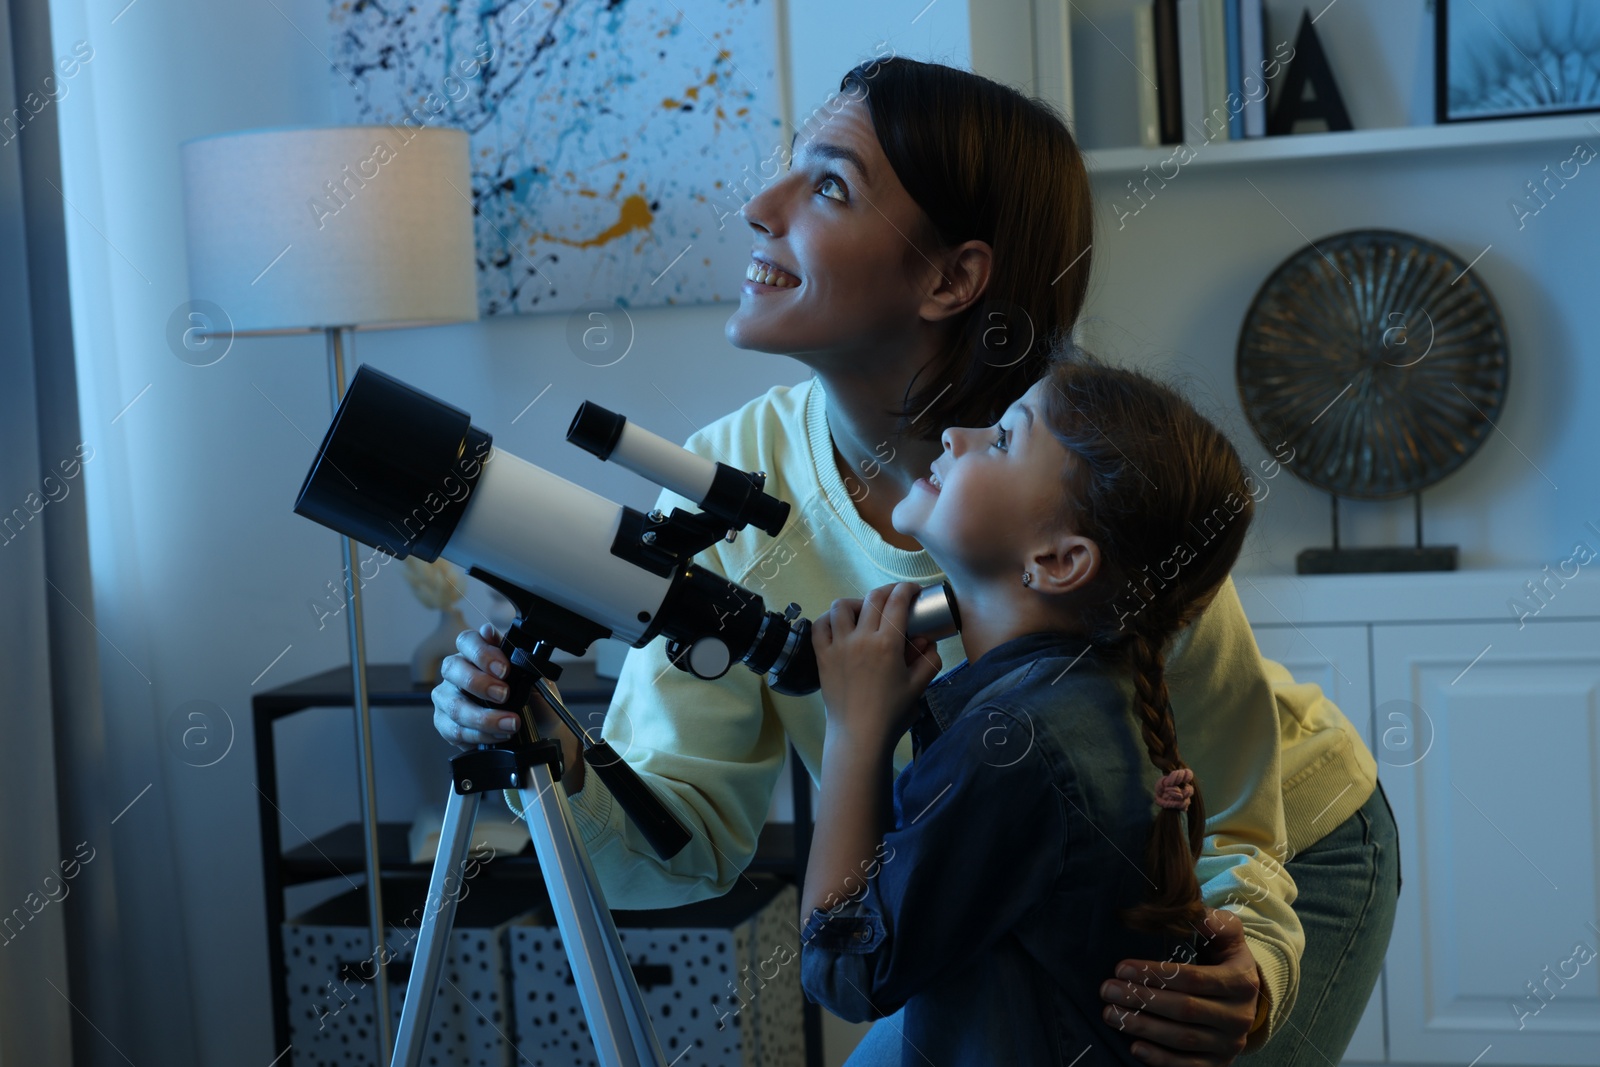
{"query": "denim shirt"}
{"type": "Point", "coordinates": [990, 910]}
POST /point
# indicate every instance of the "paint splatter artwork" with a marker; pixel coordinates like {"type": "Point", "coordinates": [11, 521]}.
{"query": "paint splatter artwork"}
{"type": "Point", "coordinates": [612, 141]}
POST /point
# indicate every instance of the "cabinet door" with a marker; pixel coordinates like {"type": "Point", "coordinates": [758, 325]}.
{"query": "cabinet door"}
{"type": "Point", "coordinates": [1336, 658]}
{"type": "Point", "coordinates": [1492, 959]}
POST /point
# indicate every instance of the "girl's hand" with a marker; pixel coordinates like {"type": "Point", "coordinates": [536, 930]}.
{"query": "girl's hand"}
{"type": "Point", "coordinates": [871, 674]}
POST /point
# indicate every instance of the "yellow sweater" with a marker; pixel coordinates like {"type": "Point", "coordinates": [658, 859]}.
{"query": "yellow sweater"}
{"type": "Point", "coordinates": [714, 750]}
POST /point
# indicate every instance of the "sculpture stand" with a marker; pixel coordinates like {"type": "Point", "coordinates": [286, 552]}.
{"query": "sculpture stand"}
{"type": "Point", "coordinates": [1387, 559]}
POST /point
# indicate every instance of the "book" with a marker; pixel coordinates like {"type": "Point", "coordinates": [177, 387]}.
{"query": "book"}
{"type": "Point", "coordinates": [1190, 72]}
{"type": "Point", "coordinates": [1169, 86]}
{"type": "Point", "coordinates": [1214, 67]}
{"type": "Point", "coordinates": [1253, 63]}
{"type": "Point", "coordinates": [1144, 62]}
{"type": "Point", "coordinates": [1235, 94]}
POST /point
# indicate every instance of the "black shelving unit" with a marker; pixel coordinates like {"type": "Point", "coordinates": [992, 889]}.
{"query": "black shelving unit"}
{"type": "Point", "coordinates": [781, 849]}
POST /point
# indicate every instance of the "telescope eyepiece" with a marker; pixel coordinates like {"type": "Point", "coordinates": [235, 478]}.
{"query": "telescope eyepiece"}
{"type": "Point", "coordinates": [733, 496]}
{"type": "Point", "coordinates": [595, 429]}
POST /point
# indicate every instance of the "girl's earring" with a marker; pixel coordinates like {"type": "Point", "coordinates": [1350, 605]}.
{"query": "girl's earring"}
{"type": "Point", "coordinates": [1027, 578]}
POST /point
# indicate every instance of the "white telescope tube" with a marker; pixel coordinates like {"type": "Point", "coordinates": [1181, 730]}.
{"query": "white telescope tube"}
{"type": "Point", "coordinates": [520, 514]}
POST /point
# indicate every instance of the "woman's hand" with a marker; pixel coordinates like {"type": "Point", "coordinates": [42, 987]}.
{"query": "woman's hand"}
{"type": "Point", "coordinates": [1190, 1014]}
{"type": "Point", "coordinates": [471, 679]}
{"type": "Point", "coordinates": [871, 674]}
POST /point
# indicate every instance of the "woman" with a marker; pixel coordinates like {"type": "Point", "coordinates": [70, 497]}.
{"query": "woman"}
{"type": "Point", "coordinates": [929, 227]}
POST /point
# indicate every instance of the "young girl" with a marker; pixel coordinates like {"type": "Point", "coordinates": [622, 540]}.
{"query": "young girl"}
{"type": "Point", "coordinates": [1017, 859]}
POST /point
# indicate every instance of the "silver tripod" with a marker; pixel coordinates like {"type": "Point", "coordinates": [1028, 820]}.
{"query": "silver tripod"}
{"type": "Point", "coordinates": [610, 997]}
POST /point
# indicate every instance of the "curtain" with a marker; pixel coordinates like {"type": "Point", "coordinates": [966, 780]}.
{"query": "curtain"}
{"type": "Point", "coordinates": [58, 904]}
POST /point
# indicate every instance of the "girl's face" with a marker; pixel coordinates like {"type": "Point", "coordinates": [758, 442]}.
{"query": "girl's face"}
{"type": "Point", "coordinates": [993, 497]}
{"type": "Point", "coordinates": [832, 266]}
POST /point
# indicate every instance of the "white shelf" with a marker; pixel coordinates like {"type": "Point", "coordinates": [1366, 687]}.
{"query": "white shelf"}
{"type": "Point", "coordinates": [1317, 146]}
{"type": "Point", "coordinates": [1462, 596]}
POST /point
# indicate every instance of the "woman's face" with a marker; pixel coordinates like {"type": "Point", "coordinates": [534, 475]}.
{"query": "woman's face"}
{"type": "Point", "coordinates": [990, 494]}
{"type": "Point", "coordinates": [832, 264]}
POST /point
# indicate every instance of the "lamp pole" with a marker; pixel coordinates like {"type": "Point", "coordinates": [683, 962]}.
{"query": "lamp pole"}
{"type": "Point", "coordinates": [363, 716]}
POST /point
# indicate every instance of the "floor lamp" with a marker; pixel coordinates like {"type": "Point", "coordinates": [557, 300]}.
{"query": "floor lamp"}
{"type": "Point", "coordinates": [332, 229]}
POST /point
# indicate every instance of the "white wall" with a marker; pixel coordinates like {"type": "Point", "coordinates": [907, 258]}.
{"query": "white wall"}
{"type": "Point", "coordinates": [1499, 508]}
{"type": "Point", "coordinates": [827, 38]}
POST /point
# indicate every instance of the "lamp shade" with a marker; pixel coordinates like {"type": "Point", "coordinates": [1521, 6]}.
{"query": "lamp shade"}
{"type": "Point", "coordinates": [307, 228]}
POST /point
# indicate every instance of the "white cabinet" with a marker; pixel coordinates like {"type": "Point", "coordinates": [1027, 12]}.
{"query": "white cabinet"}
{"type": "Point", "coordinates": [1487, 738]}
{"type": "Point", "coordinates": [1500, 842]}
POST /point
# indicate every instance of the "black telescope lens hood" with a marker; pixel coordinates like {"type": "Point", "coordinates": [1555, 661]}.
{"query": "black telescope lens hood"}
{"type": "Point", "coordinates": [396, 468]}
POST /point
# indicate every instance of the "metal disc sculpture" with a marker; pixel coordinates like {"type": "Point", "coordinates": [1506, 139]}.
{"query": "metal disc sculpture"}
{"type": "Point", "coordinates": [1379, 359]}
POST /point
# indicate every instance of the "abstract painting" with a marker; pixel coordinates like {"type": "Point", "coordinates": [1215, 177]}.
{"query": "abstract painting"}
{"type": "Point", "coordinates": [612, 141]}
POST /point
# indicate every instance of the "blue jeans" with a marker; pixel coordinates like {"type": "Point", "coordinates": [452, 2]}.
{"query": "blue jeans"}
{"type": "Point", "coordinates": [1348, 884]}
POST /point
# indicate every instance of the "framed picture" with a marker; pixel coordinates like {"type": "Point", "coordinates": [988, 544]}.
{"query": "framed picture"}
{"type": "Point", "coordinates": [1499, 59]}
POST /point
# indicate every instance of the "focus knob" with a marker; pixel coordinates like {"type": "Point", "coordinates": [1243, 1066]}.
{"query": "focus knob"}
{"type": "Point", "coordinates": [707, 658]}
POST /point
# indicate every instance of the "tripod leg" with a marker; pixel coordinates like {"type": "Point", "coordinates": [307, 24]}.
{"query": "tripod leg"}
{"type": "Point", "coordinates": [433, 940]}
{"type": "Point", "coordinates": [611, 1003]}
{"type": "Point", "coordinates": [644, 1035]}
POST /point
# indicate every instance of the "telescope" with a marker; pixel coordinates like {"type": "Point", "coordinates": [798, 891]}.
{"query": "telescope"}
{"type": "Point", "coordinates": [409, 474]}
